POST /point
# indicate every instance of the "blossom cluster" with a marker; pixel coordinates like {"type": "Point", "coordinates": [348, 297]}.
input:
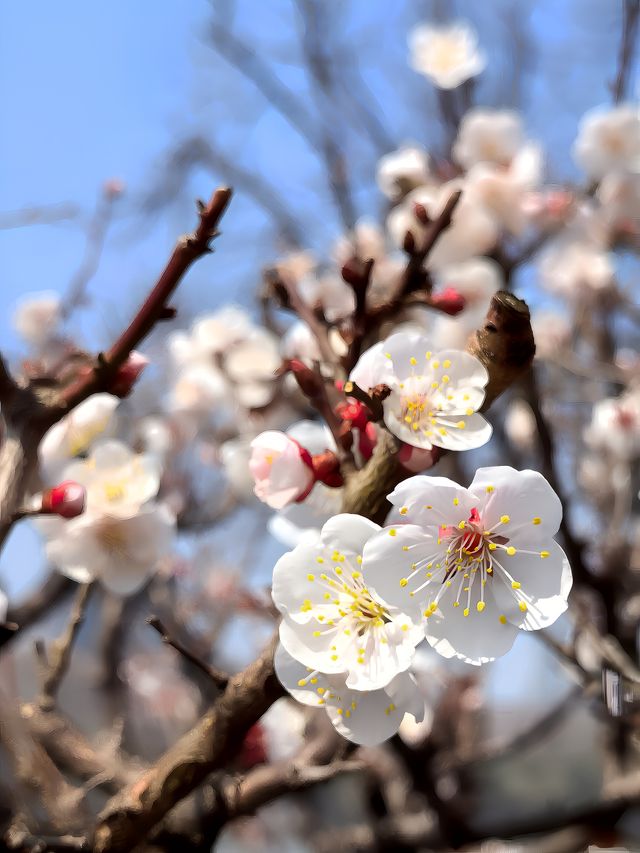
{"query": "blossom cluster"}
{"type": "Point", "coordinates": [463, 569]}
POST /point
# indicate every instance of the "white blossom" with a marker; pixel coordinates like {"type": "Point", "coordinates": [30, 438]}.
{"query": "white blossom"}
{"type": "Point", "coordinates": [473, 230]}
{"type": "Point", "coordinates": [478, 564]}
{"type": "Point", "coordinates": [283, 728]}
{"type": "Point", "coordinates": [37, 317]}
{"type": "Point", "coordinates": [551, 332]}
{"type": "Point", "coordinates": [615, 426]}
{"type": "Point", "coordinates": [447, 55]}
{"type": "Point", "coordinates": [403, 170]}
{"type": "Point", "coordinates": [117, 481]}
{"type": "Point", "coordinates": [435, 396]}
{"type": "Point", "coordinates": [330, 292]}
{"type": "Point", "coordinates": [609, 140]}
{"type": "Point", "coordinates": [488, 136]}
{"type": "Point", "coordinates": [570, 267]}
{"type": "Point", "coordinates": [75, 433]}
{"type": "Point", "coordinates": [520, 424]}
{"type": "Point", "coordinates": [120, 551]}
{"type": "Point", "coordinates": [331, 621]}
{"type": "Point", "coordinates": [363, 717]}
{"type": "Point", "coordinates": [281, 469]}
{"type": "Point", "coordinates": [477, 280]}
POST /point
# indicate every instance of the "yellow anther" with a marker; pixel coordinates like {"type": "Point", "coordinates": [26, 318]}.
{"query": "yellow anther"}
{"type": "Point", "coordinates": [393, 531]}
{"type": "Point", "coordinates": [515, 584]}
{"type": "Point", "coordinates": [334, 657]}
{"type": "Point", "coordinates": [511, 550]}
{"type": "Point", "coordinates": [468, 413]}
{"type": "Point", "coordinates": [523, 606]}
{"type": "Point", "coordinates": [503, 619]}
{"type": "Point", "coordinates": [348, 387]}
{"type": "Point", "coordinates": [403, 582]}
{"type": "Point", "coordinates": [456, 501]}
{"type": "Point", "coordinates": [404, 510]}
{"type": "Point", "coordinates": [544, 554]}
{"type": "Point", "coordinates": [446, 363]}
{"type": "Point", "coordinates": [435, 364]}
{"type": "Point", "coordinates": [537, 520]}
{"type": "Point", "coordinates": [405, 627]}
{"type": "Point", "coordinates": [489, 489]}
{"type": "Point", "coordinates": [413, 360]}
{"type": "Point", "coordinates": [480, 606]}
{"type": "Point", "coordinates": [427, 354]}
{"type": "Point", "coordinates": [319, 559]}
{"type": "Point", "coordinates": [505, 519]}
{"type": "Point", "coordinates": [311, 577]}
{"type": "Point", "coordinates": [446, 379]}
{"type": "Point", "coordinates": [456, 604]}
{"type": "Point", "coordinates": [405, 547]}
{"type": "Point", "coordinates": [426, 613]}
{"type": "Point", "coordinates": [462, 525]}
{"type": "Point", "coordinates": [465, 612]}
{"type": "Point", "coordinates": [317, 633]}
{"type": "Point", "coordinates": [442, 431]}
{"type": "Point", "coordinates": [461, 425]}
{"type": "Point", "coordinates": [492, 546]}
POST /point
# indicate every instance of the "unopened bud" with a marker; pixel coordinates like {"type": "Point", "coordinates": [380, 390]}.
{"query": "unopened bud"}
{"type": "Point", "coordinates": [66, 500]}
{"type": "Point", "coordinates": [449, 300]}
{"type": "Point", "coordinates": [409, 243]}
{"type": "Point", "coordinates": [354, 411]}
{"type": "Point", "coordinates": [326, 468]}
{"type": "Point", "coordinates": [127, 375]}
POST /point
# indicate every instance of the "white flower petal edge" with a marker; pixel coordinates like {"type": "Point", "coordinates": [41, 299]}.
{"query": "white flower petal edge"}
{"type": "Point", "coordinates": [332, 621]}
{"type": "Point", "coordinates": [366, 718]}
{"type": "Point", "coordinates": [434, 395]}
{"type": "Point", "coordinates": [482, 557]}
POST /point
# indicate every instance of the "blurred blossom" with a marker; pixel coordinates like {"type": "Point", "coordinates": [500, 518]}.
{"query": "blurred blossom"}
{"type": "Point", "coordinates": [235, 455]}
{"type": "Point", "coordinates": [402, 171]}
{"type": "Point", "coordinates": [37, 317]}
{"type": "Point", "coordinates": [198, 390]}
{"type": "Point", "coordinates": [329, 292]}
{"type": "Point", "coordinates": [502, 191]}
{"type": "Point", "coordinates": [488, 136]}
{"type": "Point", "coordinates": [117, 481]}
{"type": "Point", "coordinates": [619, 195]}
{"type": "Point", "coordinates": [75, 433]}
{"type": "Point", "coordinates": [251, 365]}
{"type": "Point", "coordinates": [609, 140]}
{"type": "Point", "coordinates": [214, 333]}
{"type": "Point", "coordinates": [476, 280]}
{"type": "Point", "coordinates": [615, 426]}
{"type": "Point", "coordinates": [552, 333]}
{"type": "Point", "coordinates": [520, 425]}
{"type": "Point", "coordinates": [368, 237]}
{"type": "Point", "coordinates": [571, 268]}
{"type": "Point", "coordinates": [120, 552]}
{"type": "Point", "coordinates": [447, 55]}
{"type": "Point", "coordinates": [155, 435]}
{"type": "Point", "coordinates": [283, 730]}
{"type": "Point", "coordinates": [166, 695]}
{"type": "Point", "coordinates": [473, 230]}
{"type": "Point", "coordinates": [296, 265]}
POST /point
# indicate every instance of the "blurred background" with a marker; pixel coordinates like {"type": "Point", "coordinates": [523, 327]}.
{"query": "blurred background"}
{"type": "Point", "coordinates": [117, 117]}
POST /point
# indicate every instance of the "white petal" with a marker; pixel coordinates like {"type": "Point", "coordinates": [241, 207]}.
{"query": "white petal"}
{"type": "Point", "coordinates": [431, 501]}
{"type": "Point", "coordinates": [366, 718]}
{"type": "Point", "coordinates": [405, 693]}
{"type": "Point", "coordinates": [291, 586]}
{"type": "Point", "coordinates": [348, 533]}
{"type": "Point", "coordinates": [524, 496]}
{"type": "Point", "coordinates": [387, 565]}
{"type": "Point", "coordinates": [387, 652]}
{"type": "Point", "coordinates": [477, 638]}
{"type": "Point", "coordinates": [545, 586]}
{"type": "Point", "coordinates": [313, 652]}
{"type": "Point", "coordinates": [290, 673]}
{"type": "Point", "coordinates": [372, 368]}
{"type": "Point", "coordinates": [462, 433]}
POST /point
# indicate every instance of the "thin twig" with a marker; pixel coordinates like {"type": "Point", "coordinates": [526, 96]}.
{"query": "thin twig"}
{"type": "Point", "coordinates": [628, 46]}
{"type": "Point", "coordinates": [56, 663]}
{"type": "Point", "coordinates": [219, 678]}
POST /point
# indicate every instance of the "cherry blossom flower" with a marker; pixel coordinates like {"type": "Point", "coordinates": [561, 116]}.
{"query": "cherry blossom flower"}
{"type": "Point", "coordinates": [332, 622]}
{"type": "Point", "coordinates": [75, 433]}
{"type": "Point", "coordinates": [37, 317]}
{"type": "Point", "coordinates": [403, 170]}
{"type": "Point", "coordinates": [488, 136]}
{"type": "Point", "coordinates": [447, 55]}
{"type": "Point", "coordinates": [300, 522]}
{"type": "Point", "coordinates": [615, 426]}
{"type": "Point", "coordinates": [435, 396]}
{"type": "Point", "coordinates": [363, 717]}
{"type": "Point", "coordinates": [520, 424]}
{"type": "Point", "coordinates": [120, 551]}
{"type": "Point", "coordinates": [609, 140]}
{"type": "Point", "coordinates": [570, 267]}
{"type": "Point", "coordinates": [281, 469]}
{"type": "Point", "coordinates": [117, 481]}
{"type": "Point", "coordinates": [478, 564]}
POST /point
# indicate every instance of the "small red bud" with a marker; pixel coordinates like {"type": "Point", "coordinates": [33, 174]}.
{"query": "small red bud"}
{"type": "Point", "coordinates": [449, 301]}
{"type": "Point", "coordinates": [67, 500]}
{"type": "Point", "coordinates": [354, 411]}
{"type": "Point", "coordinates": [421, 213]}
{"type": "Point", "coordinates": [326, 468]}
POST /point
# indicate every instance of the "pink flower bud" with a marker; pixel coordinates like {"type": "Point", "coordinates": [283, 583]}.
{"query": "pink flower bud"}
{"type": "Point", "coordinates": [281, 468]}
{"type": "Point", "coordinates": [448, 300]}
{"type": "Point", "coordinates": [66, 500]}
{"type": "Point", "coordinates": [417, 459]}
{"type": "Point", "coordinates": [113, 187]}
{"type": "Point", "coordinates": [355, 411]}
{"type": "Point", "coordinates": [128, 374]}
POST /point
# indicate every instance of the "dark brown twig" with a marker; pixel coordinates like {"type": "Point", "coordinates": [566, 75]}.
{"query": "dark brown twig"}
{"type": "Point", "coordinates": [219, 678]}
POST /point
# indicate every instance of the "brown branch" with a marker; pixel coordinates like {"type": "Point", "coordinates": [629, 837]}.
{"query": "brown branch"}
{"type": "Point", "coordinates": [56, 663]}
{"type": "Point", "coordinates": [219, 678]}
{"type": "Point", "coordinates": [189, 249]}
{"type": "Point", "coordinates": [40, 602]}
{"type": "Point", "coordinates": [215, 739]}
